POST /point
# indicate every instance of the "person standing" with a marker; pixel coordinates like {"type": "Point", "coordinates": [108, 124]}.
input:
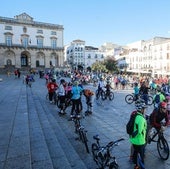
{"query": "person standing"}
{"type": "Point", "coordinates": [52, 87]}
{"type": "Point", "coordinates": [138, 141]}
{"type": "Point", "coordinates": [61, 94]}
{"type": "Point", "coordinates": [76, 98]}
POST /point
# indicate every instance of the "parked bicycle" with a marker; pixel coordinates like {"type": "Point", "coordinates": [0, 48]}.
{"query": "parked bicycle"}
{"type": "Point", "coordinates": [80, 130]}
{"type": "Point", "coordinates": [162, 144]}
{"type": "Point", "coordinates": [102, 154]}
{"type": "Point", "coordinates": [130, 98]}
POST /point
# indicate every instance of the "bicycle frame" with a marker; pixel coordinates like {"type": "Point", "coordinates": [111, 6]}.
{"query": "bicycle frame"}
{"type": "Point", "coordinates": [80, 130]}
{"type": "Point", "coordinates": [162, 144]}
{"type": "Point", "coordinates": [102, 154]}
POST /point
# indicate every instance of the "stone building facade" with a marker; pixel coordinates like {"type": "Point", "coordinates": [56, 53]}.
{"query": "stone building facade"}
{"type": "Point", "coordinates": [28, 44]}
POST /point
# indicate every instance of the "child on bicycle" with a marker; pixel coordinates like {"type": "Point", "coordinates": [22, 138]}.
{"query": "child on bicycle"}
{"type": "Point", "coordinates": [108, 87]}
{"type": "Point", "coordinates": [89, 101]}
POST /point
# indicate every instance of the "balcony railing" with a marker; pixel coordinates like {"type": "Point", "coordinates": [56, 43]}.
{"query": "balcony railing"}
{"type": "Point", "coordinates": [30, 46]}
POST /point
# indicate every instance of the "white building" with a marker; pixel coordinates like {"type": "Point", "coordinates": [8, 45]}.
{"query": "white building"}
{"type": "Point", "coordinates": [79, 55]}
{"type": "Point", "coordinates": [26, 44]}
{"type": "Point", "coordinates": [147, 57]}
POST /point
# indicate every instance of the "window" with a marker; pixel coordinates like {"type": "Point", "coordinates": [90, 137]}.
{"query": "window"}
{"type": "Point", "coordinates": [8, 40]}
{"type": "Point", "coordinates": [89, 56]}
{"type": "Point", "coordinates": [53, 33]}
{"type": "Point", "coordinates": [40, 42]}
{"type": "Point", "coordinates": [95, 55]}
{"type": "Point", "coordinates": [40, 31]}
{"type": "Point", "coordinates": [53, 43]}
{"type": "Point", "coordinates": [37, 63]}
{"type": "Point", "coordinates": [8, 27]}
{"type": "Point", "coordinates": [24, 41]}
{"type": "Point", "coordinates": [9, 62]}
{"type": "Point", "coordinates": [24, 60]}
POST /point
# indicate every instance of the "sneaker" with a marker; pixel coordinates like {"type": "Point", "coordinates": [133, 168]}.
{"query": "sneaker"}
{"type": "Point", "coordinates": [78, 116]}
{"type": "Point", "coordinates": [71, 117]}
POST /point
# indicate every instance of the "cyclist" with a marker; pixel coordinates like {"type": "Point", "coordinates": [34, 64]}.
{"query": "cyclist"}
{"type": "Point", "coordinates": [101, 85]}
{"type": "Point", "coordinates": [136, 91]}
{"type": "Point", "coordinates": [76, 98]}
{"type": "Point", "coordinates": [158, 115]}
{"type": "Point", "coordinates": [139, 140]}
{"type": "Point", "coordinates": [108, 87]}
{"type": "Point", "coordinates": [52, 87]}
{"type": "Point", "coordinates": [158, 98]}
{"type": "Point", "coordinates": [144, 90]}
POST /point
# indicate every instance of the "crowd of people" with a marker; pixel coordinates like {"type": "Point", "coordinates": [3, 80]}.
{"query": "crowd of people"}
{"type": "Point", "coordinates": [161, 111]}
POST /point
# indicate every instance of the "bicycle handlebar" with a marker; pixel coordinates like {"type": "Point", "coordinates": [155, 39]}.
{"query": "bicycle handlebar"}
{"type": "Point", "coordinates": [110, 144]}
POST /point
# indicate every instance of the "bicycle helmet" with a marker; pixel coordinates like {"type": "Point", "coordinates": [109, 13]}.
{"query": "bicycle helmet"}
{"type": "Point", "coordinates": [53, 80]}
{"type": "Point", "coordinates": [62, 81]}
{"type": "Point", "coordinates": [140, 105]}
{"type": "Point", "coordinates": [76, 83]}
{"type": "Point", "coordinates": [163, 105]}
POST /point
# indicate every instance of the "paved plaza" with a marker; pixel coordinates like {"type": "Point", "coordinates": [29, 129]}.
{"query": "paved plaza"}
{"type": "Point", "coordinates": [34, 136]}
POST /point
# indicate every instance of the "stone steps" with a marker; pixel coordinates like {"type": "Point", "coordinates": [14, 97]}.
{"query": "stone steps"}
{"type": "Point", "coordinates": [59, 153]}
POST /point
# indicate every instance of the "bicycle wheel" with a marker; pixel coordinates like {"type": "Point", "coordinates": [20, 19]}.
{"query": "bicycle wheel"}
{"type": "Point", "coordinates": [113, 163]}
{"type": "Point", "coordinates": [58, 102]}
{"type": "Point", "coordinates": [111, 96]}
{"type": "Point", "coordinates": [163, 148]}
{"type": "Point", "coordinates": [97, 94]}
{"type": "Point", "coordinates": [129, 98]}
{"type": "Point", "coordinates": [150, 100]}
{"type": "Point", "coordinates": [103, 95]}
{"type": "Point", "coordinates": [84, 140]}
{"type": "Point", "coordinates": [95, 150]}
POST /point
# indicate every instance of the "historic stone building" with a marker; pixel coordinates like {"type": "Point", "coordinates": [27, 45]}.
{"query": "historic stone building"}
{"type": "Point", "coordinates": [28, 44]}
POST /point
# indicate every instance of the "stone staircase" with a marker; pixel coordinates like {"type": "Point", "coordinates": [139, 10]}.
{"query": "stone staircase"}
{"type": "Point", "coordinates": [36, 140]}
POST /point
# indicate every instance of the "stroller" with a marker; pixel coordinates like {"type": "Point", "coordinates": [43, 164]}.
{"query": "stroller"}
{"type": "Point", "coordinates": [89, 100]}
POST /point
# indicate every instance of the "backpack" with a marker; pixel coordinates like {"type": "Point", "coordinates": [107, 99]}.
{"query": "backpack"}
{"type": "Point", "coordinates": [157, 99]}
{"type": "Point", "coordinates": [130, 124]}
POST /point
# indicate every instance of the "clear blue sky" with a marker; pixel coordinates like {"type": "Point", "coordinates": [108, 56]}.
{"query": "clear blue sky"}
{"type": "Point", "coordinates": [98, 21]}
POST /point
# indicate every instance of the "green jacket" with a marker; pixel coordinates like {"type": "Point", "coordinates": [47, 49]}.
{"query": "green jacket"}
{"type": "Point", "coordinates": [141, 126]}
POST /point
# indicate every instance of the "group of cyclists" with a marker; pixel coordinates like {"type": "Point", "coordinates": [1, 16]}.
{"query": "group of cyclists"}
{"type": "Point", "coordinates": [74, 91]}
{"type": "Point", "coordinates": [158, 118]}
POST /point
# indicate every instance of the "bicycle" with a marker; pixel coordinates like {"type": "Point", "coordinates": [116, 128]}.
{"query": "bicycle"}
{"type": "Point", "coordinates": [100, 93]}
{"type": "Point", "coordinates": [130, 98]}
{"type": "Point", "coordinates": [80, 130]}
{"type": "Point", "coordinates": [108, 94]}
{"type": "Point", "coordinates": [162, 144]}
{"type": "Point", "coordinates": [102, 154]}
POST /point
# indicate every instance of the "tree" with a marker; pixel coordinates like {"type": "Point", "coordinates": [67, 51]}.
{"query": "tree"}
{"type": "Point", "coordinates": [111, 64]}
{"type": "Point", "coordinates": [99, 67]}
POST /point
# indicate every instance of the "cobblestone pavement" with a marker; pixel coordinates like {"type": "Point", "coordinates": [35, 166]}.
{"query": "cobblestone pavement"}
{"type": "Point", "coordinates": [34, 136]}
